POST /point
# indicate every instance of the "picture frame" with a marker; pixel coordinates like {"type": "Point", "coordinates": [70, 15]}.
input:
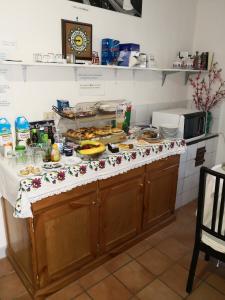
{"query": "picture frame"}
{"type": "Point", "coordinates": [128, 7]}
{"type": "Point", "coordinates": [76, 39]}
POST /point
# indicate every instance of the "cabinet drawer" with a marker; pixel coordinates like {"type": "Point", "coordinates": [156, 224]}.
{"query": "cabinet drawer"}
{"type": "Point", "coordinates": [164, 163]}
{"type": "Point", "coordinates": [64, 197]}
{"type": "Point", "coordinates": [123, 177]}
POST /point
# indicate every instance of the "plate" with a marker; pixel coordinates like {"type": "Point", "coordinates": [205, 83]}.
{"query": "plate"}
{"type": "Point", "coordinates": [52, 166]}
{"type": "Point", "coordinates": [72, 160]}
{"type": "Point", "coordinates": [29, 171]}
{"type": "Point", "coordinates": [142, 143]}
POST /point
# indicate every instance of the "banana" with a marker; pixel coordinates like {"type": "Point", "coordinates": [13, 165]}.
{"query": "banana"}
{"type": "Point", "coordinates": [95, 150]}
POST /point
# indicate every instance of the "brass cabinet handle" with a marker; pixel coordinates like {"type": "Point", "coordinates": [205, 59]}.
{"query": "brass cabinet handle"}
{"type": "Point", "coordinates": [148, 182]}
{"type": "Point", "coordinates": [94, 203]}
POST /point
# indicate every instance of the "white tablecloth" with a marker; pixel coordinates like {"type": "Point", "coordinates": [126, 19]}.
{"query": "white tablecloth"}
{"type": "Point", "coordinates": [21, 192]}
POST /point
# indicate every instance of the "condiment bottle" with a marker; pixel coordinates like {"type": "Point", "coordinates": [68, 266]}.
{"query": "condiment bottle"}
{"type": "Point", "coordinates": [55, 154]}
{"type": "Point", "coordinates": [8, 149]}
{"type": "Point", "coordinates": [51, 135]}
{"type": "Point", "coordinates": [34, 136]}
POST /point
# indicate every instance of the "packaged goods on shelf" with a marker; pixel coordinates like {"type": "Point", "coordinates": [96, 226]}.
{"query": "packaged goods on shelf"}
{"type": "Point", "coordinates": [127, 51]}
{"type": "Point", "coordinates": [110, 51]}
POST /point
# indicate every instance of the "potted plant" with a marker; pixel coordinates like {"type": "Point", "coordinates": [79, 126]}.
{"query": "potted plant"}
{"type": "Point", "coordinates": [208, 91]}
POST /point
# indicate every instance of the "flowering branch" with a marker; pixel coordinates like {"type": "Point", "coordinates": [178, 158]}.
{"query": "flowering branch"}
{"type": "Point", "coordinates": [206, 96]}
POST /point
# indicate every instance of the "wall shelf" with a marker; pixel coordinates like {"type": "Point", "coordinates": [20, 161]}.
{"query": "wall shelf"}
{"type": "Point", "coordinates": [165, 72]}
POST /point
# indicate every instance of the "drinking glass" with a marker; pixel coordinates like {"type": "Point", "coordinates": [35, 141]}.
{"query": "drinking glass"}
{"type": "Point", "coordinates": [37, 57]}
{"type": "Point", "coordinates": [38, 158]}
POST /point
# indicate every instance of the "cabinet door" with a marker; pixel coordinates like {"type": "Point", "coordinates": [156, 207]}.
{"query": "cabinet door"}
{"type": "Point", "coordinates": [121, 205]}
{"type": "Point", "coordinates": [160, 195]}
{"type": "Point", "coordinates": [66, 237]}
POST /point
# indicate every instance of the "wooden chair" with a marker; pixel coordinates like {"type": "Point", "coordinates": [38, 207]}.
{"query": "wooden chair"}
{"type": "Point", "coordinates": [210, 237]}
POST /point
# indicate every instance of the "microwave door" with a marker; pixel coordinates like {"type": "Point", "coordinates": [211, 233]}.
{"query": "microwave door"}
{"type": "Point", "coordinates": [194, 126]}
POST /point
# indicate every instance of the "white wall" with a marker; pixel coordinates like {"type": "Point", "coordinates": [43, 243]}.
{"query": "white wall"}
{"type": "Point", "coordinates": [164, 29]}
{"type": "Point", "coordinates": [209, 35]}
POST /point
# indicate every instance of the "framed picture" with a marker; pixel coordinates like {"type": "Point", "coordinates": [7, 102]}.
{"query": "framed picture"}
{"type": "Point", "coordinates": [77, 39]}
{"type": "Point", "coordinates": [128, 7]}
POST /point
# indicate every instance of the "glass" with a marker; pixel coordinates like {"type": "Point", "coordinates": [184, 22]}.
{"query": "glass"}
{"type": "Point", "coordinates": [20, 158]}
{"type": "Point", "coordinates": [38, 158]}
{"type": "Point", "coordinates": [52, 58]}
{"type": "Point", "coordinates": [29, 158]}
{"type": "Point", "coordinates": [59, 58]}
{"type": "Point", "coordinates": [46, 154]}
{"type": "Point", "coordinates": [37, 57]}
{"type": "Point", "coordinates": [45, 58]}
{"type": "Point", "coordinates": [71, 59]}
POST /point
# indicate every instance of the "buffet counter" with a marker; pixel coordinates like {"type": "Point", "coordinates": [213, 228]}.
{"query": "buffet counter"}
{"type": "Point", "coordinates": [22, 191]}
{"type": "Point", "coordinates": [82, 215]}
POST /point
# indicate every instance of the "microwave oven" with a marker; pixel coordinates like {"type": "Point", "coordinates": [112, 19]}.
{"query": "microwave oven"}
{"type": "Point", "coordinates": [191, 124]}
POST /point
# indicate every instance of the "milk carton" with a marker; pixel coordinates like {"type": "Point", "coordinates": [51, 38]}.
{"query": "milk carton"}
{"type": "Point", "coordinates": [5, 132]}
{"type": "Point", "coordinates": [22, 127]}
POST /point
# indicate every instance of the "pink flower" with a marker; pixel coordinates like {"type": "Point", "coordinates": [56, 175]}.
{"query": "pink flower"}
{"type": "Point", "coordinates": [183, 143]}
{"type": "Point", "coordinates": [102, 164]}
{"type": "Point", "coordinates": [147, 151]}
{"type": "Point", "coordinates": [133, 155]}
{"type": "Point", "coordinates": [36, 183]}
{"type": "Point", "coordinates": [119, 160]}
{"type": "Point", "coordinates": [83, 169]}
{"type": "Point", "coordinates": [61, 176]}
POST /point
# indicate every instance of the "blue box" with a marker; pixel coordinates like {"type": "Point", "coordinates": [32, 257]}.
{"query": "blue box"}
{"type": "Point", "coordinates": [126, 51]}
{"type": "Point", "coordinates": [110, 51]}
{"type": "Point", "coordinates": [130, 47]}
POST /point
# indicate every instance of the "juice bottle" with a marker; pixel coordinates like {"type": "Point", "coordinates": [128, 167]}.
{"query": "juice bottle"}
{"type": "Point", "coordinates": [55, 154]}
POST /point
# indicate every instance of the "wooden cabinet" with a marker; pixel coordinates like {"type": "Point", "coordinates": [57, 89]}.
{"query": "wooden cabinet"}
{"type": "Point", "coordinates": [121, 205]}
{"type": "Point", "coordinates": [160, 190]}
{"type": "Point", "coordinates": [66, 234]}
{"type": "Point", "coordinates": [73, 232]}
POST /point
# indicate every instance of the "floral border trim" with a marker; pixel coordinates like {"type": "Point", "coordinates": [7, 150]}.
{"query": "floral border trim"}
{"type": "Point", "coordinates": [114, 160]}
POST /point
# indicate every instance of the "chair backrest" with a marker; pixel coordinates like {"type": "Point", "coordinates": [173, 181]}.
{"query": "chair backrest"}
{"type": "Point", "coordinates": [211, 202]}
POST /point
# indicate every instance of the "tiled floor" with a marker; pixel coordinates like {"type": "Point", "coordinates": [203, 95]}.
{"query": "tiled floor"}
{"type": "Point", "coordinates": [154, 269]}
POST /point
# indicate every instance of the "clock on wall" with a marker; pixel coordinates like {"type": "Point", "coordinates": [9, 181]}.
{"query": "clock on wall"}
{"type": "Point", "coordinates": [77, 38]}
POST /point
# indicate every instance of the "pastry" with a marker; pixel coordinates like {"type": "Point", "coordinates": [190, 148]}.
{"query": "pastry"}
{"type": "Point", "coordinates": [126, 146]}
{"type": "Point", "coordinates": [24, 172]}
{"type": "Point", "coordinates": [116, 130]}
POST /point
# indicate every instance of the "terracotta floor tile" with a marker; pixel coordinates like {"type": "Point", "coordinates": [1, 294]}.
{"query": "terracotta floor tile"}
{"type": "Point", "coordinates": [155, 261]}
{"type": "Point", "coordinates": [173, 248]}
{"type": "Point", "coordinates": [5, 267]}
{"type": "Point", "coordinates": [11, 287]}
{"type": "Point", "coordinates": [185, 234]}
{"type": "Point", "coordinates": [157, 237]}
{"type": "Point", "coordinates": [213, 268]}
{"type": "Point", "coordinates": [117, 262]}
{"type": "Point", "coordinates": [134, 276]}
{"type": "Point", "coordinates": [109, 289]}
{"type": "Point", "coordinates": [157, 290]}
{"type": "Point", "coordinates": [69, 292]}
{"type": "Point", "coordinates": [217, 282]}
{"type": "Point", "coordinates": [24, 297]}
{"type": "Point", "coordinates": [83, 296]}
{"type": "Point", "coordinates": [205, 292]}
{"type": "Point", "coordinates": [93, 277]}
{"type": "Point", "coordinates": [176, 279]}
{"type": "Point", "coordinates": [139, 249]}
{"type": "Point", "coordinates": [202, 270]}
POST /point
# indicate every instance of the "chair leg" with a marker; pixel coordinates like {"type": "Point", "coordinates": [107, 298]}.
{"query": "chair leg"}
{"type": "Point", "coordinates": [192, 270]}
{"type": "Point", "coordinates": [207, 257]}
